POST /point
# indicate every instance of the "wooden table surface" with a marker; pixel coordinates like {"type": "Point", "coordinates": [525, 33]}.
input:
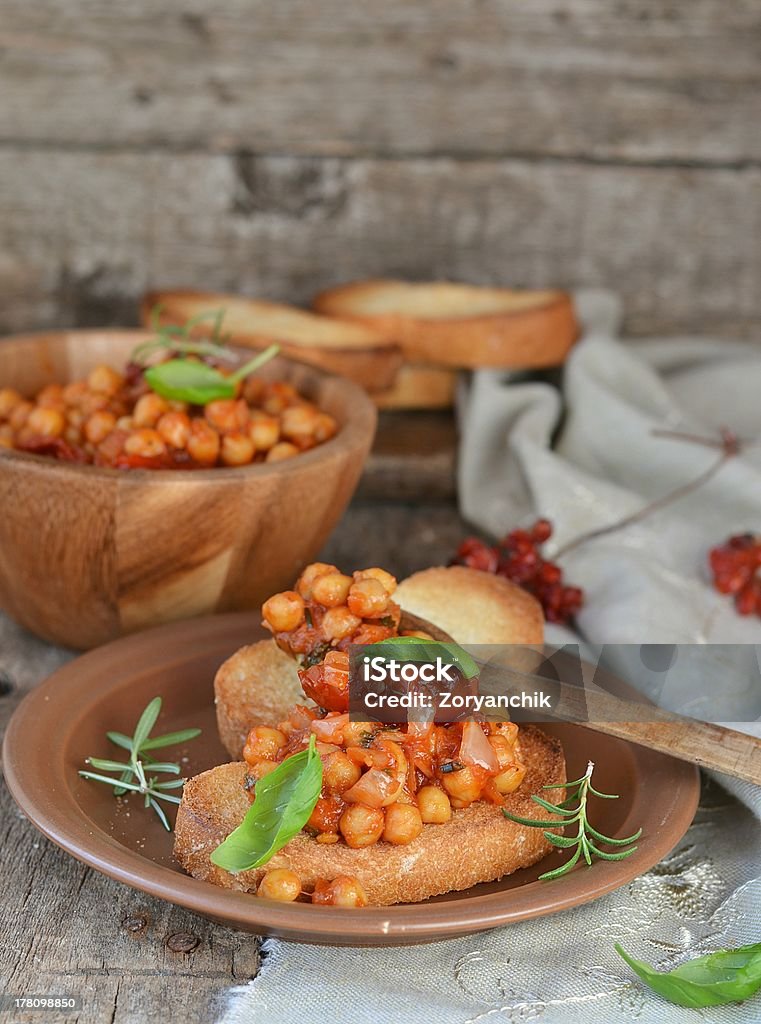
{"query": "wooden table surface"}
{"type": "Point", "coordinates": [67, 929]}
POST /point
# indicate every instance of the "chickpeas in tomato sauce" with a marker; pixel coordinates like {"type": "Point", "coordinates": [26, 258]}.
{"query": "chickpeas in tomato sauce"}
{"type": "Point", "coordinates": [380, 783]}
{"type": "Point", "coordinates": [114, 419]}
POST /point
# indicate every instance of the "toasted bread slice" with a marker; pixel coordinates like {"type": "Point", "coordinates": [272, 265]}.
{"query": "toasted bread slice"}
{"type": "Point", "coordinates": [258, 685]}
{"type": "Point", "coordinates": [419, 387]}
{"type": "Point", "coordinates": [362, 353]}
{"type": "Point", "coordinates": [473, 607]}
{"type": "Point", "coordinates": [478, 845]}
{"type": "Point", "coordinates": [458, 324]}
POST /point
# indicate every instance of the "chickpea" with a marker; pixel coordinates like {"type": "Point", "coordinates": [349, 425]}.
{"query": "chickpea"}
{"type": "Point", "coordinates": [105, 380]}
{"type": "Point", "coordinates": [74, 393]}
{"type": "Point", "coordinates": [227, 415]}
{"type": "Point", "coordinates": [508, 780]}
{"type": "Point", "coordinates": [259, 769]}
{"type": "Point", "coordinates": [325, 427]}
{"type": "Point", "coordinates": [328, 838]}
{"type": "Point", "coordinates": [281, 451]}
{"type": "Point", "coordinates": [386, 580]}
{"type": "Point", "coordinates": [339, 773]}
{"type": "Point", "coordinates": [368, 598]}
{"type": "Point", "coordinates": [46, 422]}
{"type": "Point", "coordinates": [338, 623]}
{"type": "Point", "coordinates": [99, 426]}
{"type": "Point", "coordinates": [203, 443]}
{"type": "Point", "coordinates": [92, 401]}
{"type": "Point", "coordinates": [343, 891]}
{"type": "Point", "coordinates": [263, 743]}
{"type": "Point", "coordinates": [298, 423]}
{"type": "Point", "coordinates": [264, 432]}
{"type": "Point", "coordinates": [148, 410]}
{"type": "Point", "coordinates": [332, 589]}
{"type": "Point", "coordinates": [175, 405]}
{"type": "Point", "coordinates": [76, 418]}
{"type": "Point", "coordinates": [277, 396]}
{"type": "Point", "coordinates": [403, 824]}
{"type": "Point", "coordinates": [463, 786]}
{"type": "Point", "coordinates": [355, 733]}
{"type": "Point", "coordinates": [361, 825]}
{"type": "Point", "coordinates": [434, 805]}
{"type": "Point", "coordinates": [51, 397]}
{"type": "Point", "coordinates": [9, 399]}
{"type": "Point", "coordinates": [309, 575]}
{"type": "Point", "coordinates": [73, 435]}
{"type": "Point", "coordinates": [20, 414]}
{"type": "Point", "coordinates": [237, 449]}
{"type": "Point", "coordinates": [145, 443]}
{"type": "Point", "coordinates": [174, 428]}
{"type": "Point", "coordinates": [284, 612]}
{"type": "Point", "coordinates": [280, 884]}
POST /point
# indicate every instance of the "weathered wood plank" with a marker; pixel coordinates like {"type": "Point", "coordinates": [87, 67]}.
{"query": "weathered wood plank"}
{"type": "Point", "coordinates": [624, 80]}
{"type": "Point", "coordinates": [83, 234]}
{"type": "Point", "coordinates": [412, 458]}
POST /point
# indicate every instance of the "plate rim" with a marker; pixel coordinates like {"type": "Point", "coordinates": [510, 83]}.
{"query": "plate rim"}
{"type": "Point", "coordinates": [400, 924]}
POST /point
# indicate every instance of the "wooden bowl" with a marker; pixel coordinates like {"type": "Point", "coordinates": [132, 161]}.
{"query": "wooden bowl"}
{"type": "Point", "coordinates": [88, 554]}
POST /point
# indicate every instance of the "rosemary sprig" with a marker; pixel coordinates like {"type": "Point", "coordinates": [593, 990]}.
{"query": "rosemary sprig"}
{"type": "Point", "coordinates": [179, 337]}
{"type": "Point", "coordinates": [573, 811]}
{"type": "Point", "coordinates": [138, 775]}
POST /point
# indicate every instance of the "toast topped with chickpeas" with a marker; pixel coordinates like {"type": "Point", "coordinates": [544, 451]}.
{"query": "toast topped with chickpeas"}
{"type": "Point", "coordinates": [400, 813]}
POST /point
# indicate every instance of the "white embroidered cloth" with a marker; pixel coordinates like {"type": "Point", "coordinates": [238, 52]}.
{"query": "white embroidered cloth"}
{"type": "Point", "coordinates": [648, 584]}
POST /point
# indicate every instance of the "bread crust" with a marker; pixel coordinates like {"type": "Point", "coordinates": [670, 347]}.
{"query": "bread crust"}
{"type": "Point", "coordinates": [360, 352]}
{"type": "Point", "coordinates": [478, 845]}
{"type": "Point", "coordinates": [258, 685]}
{"type": "Point", "coordinates": [521, 334]}
{"type": "Point", "coordinates": [474, 607]}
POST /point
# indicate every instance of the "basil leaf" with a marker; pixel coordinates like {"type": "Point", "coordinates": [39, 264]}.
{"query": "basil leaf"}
{"type": "Point", "coordinates": [185, 380]}
{"type": "Point", "coordinates": [728, 976]}
{"type": "Point", "coordinates": [284, 801]}
{"type": "Point", "coordinates": [427, 651]}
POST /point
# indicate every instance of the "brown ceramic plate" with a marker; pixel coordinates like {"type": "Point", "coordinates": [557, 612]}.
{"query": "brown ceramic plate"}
{"type": "Point", "coordinates": [64, 720]}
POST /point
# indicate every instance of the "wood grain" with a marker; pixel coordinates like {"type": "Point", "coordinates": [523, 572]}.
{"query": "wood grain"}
{"type": "Point", "coordinates": [88, 554]}
{"type": "Point", "coordinates": [642, 80]}
{"type": "Point", "coordinates": [85, 234]}
{"type": "Point", "coordinates": [702, 743]}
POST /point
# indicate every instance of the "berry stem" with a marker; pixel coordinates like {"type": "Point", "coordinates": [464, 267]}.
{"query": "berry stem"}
{"type": "Point", "coordinates": [728, 445]}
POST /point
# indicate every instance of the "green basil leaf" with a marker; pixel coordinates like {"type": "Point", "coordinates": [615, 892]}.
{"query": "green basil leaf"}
{"type": "Point", "coordinates": [284, 801]}
{"type": "Point", "coordinates": [428, 651]}
{"type": "Point", "coordinates": [728, 976]}
{"type": "Point", "coordinates": [185, 380]}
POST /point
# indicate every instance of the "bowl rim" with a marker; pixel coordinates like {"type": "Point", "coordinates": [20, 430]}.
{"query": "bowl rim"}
{"type": "Point", "coordinates": [360, 422]}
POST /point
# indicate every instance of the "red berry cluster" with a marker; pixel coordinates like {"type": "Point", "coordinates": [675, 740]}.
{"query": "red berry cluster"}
{"type": "Point", "coordinates": [736, 566]}
{"type": "Point", "coordinates": [518, 557]}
